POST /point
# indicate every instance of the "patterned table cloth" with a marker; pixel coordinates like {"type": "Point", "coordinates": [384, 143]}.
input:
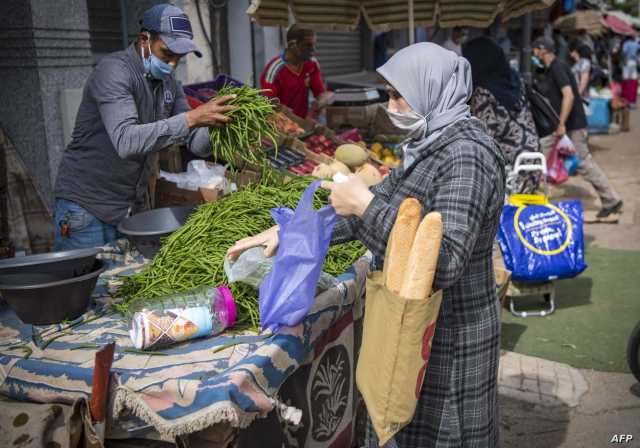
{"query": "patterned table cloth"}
{"type": "Point", "coordinates": [230, 379]}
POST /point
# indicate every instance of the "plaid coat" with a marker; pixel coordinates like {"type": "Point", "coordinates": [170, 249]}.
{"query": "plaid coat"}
{"type": "Point", "coordinates": [461, 176]}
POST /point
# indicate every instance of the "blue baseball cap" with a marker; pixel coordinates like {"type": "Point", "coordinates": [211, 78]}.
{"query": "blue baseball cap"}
{"type": "Point", "coordinates": [173, 26]}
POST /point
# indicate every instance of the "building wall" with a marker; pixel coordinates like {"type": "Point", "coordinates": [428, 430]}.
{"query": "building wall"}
{"type": "Point", "coordinates": [42, 52]}
{"type": "Point", "coordinates": [240, 54]}
{"type": "Point", "coordinates": [195, 69]}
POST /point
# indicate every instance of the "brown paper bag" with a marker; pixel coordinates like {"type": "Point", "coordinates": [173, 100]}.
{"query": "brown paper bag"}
{"type": "Point", "coordinates": [396, 344]}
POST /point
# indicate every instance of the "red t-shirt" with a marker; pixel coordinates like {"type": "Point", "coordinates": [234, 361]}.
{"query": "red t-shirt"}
{"type": "Point", "coordinates": [291, 88]}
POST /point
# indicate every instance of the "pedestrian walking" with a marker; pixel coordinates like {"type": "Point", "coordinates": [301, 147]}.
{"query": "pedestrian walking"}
{"type": "Point", "coordinates": [561, 89]}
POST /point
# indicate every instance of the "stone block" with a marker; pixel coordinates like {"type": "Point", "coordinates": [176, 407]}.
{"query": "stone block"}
{"type": "Point", "coordinates": [530, 385]}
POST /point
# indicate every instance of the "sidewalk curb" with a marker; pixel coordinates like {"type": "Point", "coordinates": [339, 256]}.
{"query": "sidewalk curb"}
{"type": "Point", "coordinates": [540, 381]}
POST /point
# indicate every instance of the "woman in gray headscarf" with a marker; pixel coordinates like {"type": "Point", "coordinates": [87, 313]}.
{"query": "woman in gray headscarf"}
{"type": "Point", "coordinates": [451, 166]}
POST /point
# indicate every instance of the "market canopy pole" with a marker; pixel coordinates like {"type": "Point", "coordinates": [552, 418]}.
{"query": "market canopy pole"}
{"type": "Point", "coordinates": [412, 24]}
{"type": "Point", "coordinates": [525, 59]}
{"type": "Point", "coordinates": [124, 24]}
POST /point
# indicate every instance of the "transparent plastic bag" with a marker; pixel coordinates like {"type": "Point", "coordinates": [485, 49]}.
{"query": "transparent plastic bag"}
{"type": "Point", "coordinates": [210, 175]}
{"type": "Point", "coordinates": [252, 267]}
{"type": "Point", "coordinates": [199, 174]}
{"type": "Point", "coordinates": [566, 146]}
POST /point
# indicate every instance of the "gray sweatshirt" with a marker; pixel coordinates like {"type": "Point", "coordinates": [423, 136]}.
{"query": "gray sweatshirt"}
{"type": "Point", "coordinates": [124, 118]}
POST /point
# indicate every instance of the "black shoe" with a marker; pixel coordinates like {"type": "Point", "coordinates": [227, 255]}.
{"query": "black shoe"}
{"type": "Point", "coordinates": [605, 212]}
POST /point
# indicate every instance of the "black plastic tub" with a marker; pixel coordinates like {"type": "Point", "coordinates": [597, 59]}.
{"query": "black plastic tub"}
{"type": "Point", "coordinates": [65, 264]}
{"type": "Point", "coordinates": [145, 230]}
{"type": "Point", "coordinates": [46, 298]}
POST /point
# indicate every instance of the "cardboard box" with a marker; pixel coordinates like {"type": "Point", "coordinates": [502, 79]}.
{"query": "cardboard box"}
{"type": "Point", "coordinates": [244, 178]}
{"type": "Point", "coordinates": [168, 195]}
{"type": "Point", "coordinates": [347, 117]}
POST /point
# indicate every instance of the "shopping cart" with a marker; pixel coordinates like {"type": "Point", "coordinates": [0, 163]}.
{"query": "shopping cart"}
{"type": "Point", "coordinates": [529, 176]}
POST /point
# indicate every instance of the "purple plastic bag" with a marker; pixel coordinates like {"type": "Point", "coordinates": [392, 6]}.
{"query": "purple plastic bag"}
{"type": "Point", "coordinates": [288, 291]}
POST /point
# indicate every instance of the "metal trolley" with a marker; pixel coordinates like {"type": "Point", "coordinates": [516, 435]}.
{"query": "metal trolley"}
{"type": "Point", "coordinates": [530, 168]}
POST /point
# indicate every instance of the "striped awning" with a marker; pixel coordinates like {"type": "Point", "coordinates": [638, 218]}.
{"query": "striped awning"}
{"type": "Point", "coordinates": [327, 15]}
{"type": "Point", "coordinates": [386, 15]}
{"type": "Point", "coordinates": [476, 13]}
{"type": "Point", "coordinates": [269, 12]}
{"type": "Point", "coordinates": [633, 21]}
{"type": "Point", "coordinates": [589, 20]}
{"type": "Point", "coordinates": [517, 8]}
{"type": "Point", "coordinates": [618, 25]}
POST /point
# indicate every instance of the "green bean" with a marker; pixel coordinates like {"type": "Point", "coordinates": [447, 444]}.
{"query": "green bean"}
{"type": "Point", "coordinates": [144, 352]}
{"type": "Point", "coordinates": [240, 141]}
{"type": "Point", "coordinates": [85, 347]}
{"type": "Point", "coordinates": [194, 255]}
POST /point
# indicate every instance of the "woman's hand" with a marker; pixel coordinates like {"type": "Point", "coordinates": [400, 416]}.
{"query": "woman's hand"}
{"type": "Point", "coordinates": [268, 238]}
{"type": "Point", "coordinates": [350, 198]}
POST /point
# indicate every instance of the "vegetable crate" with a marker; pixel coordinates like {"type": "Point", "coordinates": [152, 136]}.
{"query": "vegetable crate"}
{"type": "Point", "coordinates": [324, 141]}
{"type": "Point", "coordinates": [204, 91]}
{"type": "Point", "coordinates": [294, 125]}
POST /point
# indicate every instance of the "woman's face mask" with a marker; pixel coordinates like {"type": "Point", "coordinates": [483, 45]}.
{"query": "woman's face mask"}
{"type": "Point", "coordinates": [410, 122]}
{"type": "Point", "coordinates": [153, 65]}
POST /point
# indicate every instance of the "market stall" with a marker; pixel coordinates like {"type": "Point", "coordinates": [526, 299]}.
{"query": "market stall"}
{"type": "Point", "coordinates": [217, 385]}
{"type": "Point", "coordinates": [381, 17]}
{"type": "Point", "coordinates": [212, 388]}
{"type": "Point", "coordinates": [589, 21]}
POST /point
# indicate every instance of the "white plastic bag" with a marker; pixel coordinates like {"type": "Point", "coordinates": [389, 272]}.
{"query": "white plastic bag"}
{"type": "Point", "coordinates": [566, 146]}
{"type": "Point", "coordinates": [199, 174]}
{"type": "Point", "coordinates": [210, 175]}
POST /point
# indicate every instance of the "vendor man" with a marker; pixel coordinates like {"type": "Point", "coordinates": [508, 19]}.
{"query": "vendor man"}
{"type": "Point", "coordinates": [290, 75]}
{"type": "Point", "coordinates": [132, 107]}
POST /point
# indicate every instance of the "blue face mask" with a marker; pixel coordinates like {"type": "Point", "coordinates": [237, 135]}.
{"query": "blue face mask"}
{"type": "Point", "coordinates": [157, 68]}
{"type": "Point", "coordinates": [537, 62]}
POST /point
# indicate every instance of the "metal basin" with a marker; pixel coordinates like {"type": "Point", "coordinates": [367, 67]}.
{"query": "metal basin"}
{"type": "Point", "coordinates": [65, 264]}
{"type": "Point", "coordinates": [145, 230]}
{"type": "Point", "coordinates": [48, 298]}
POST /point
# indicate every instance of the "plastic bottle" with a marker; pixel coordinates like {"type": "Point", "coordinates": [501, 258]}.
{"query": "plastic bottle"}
{"type": "Point", "coordinates": [199, 312]}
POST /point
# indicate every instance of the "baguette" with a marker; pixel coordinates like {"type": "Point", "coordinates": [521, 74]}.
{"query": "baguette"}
{"type": "Point", "coordinates": [423, 258]}
{"type": "Point", "coordinates": [399, 244]}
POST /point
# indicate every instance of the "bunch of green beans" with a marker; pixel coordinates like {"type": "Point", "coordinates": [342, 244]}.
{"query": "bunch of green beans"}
{"type": "Point", "coordinates": [241, 140]}
{"type": "Point", "coordinates": [194, 255]}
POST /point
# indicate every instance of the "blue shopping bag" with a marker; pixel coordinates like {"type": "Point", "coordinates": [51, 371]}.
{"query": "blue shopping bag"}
{"type": "Point", "coordinates": [542, 241]}
{"type": "Point", "coordinates": [288, 291]}
{"type": "Point", "coordinates": [571, 164]}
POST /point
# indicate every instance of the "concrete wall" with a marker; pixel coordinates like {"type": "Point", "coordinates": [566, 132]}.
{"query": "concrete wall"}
{"type": "Point", "coordinates": [239, 41]}
{"type": "Point", "coordinates": [267, 43]}
{"type": "Point", "coordinates": [193, 68]}
{"type": "Point", "coordinates": [42, 52]}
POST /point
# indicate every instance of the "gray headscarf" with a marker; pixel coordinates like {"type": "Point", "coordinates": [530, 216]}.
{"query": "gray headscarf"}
{"type": "Point", "coordinates": [437, 85]}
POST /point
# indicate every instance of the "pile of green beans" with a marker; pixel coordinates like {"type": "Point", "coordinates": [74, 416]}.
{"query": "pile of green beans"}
{"type": "Point", "coordinates": [241, 140]}
{"type": "Point", "coordinates": [194, 255]}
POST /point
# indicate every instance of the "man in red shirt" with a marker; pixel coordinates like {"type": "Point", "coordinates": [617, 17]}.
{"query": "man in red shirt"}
{"type": "Point", "coordinates": [290, 75]}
